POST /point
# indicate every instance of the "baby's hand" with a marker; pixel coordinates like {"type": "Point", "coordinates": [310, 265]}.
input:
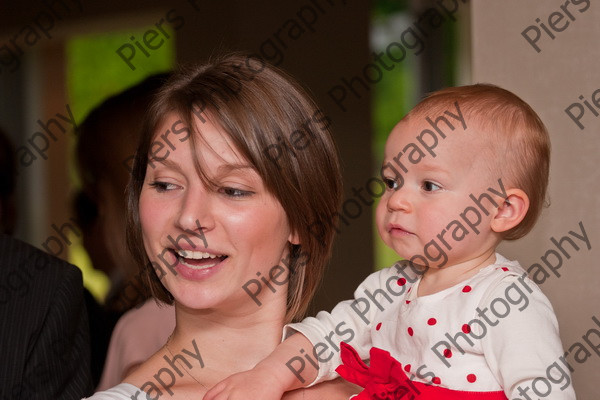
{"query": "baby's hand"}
{"type": "Point", "coordinates": [254, 384]}
{"type": "Point", "coordinates": [270, 378]}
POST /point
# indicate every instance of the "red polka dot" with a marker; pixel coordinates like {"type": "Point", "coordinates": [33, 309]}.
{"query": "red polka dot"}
{"type": "Point", "coordinates": [447, 353]}
{"type": "Point", "coordinates": [436, 380]}
{"type": "Point", "coordinates": [407, 301]}
{"type": "Point", "coordinates": [471, 378]}
{"type": "Point", "coordinates": [407, 367]}
{"type": "Point", "coordinates": [408, 291]}
{"type": "Point", "coordinates": [467, 289]}
{"type": "Point", "coordinates": [410, 331]}
{"type": "Point", "coordinates": [401, 282]}
{"type": "Point", "coordinates": [466, 328]}
{"type": "Point", "coordinates": [378, 327]}
{"type": "Point", "coordinates": [504, 269]}
{"type": "Point", "coordinates": [431, 321]}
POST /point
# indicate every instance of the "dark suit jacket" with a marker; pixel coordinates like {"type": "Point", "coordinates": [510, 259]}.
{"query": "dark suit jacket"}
{"type": "Point", "coordinates": [44, 332]}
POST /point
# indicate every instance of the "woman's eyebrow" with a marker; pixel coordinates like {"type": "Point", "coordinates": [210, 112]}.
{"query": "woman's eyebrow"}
{"type": "Point", "coordinates": [164, 161]}
{"type": "Point", "coordinates": [228, 168]}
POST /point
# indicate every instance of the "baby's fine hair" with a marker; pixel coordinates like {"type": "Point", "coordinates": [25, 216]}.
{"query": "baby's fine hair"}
{"type": "Point", "coordinates": [520, 142]}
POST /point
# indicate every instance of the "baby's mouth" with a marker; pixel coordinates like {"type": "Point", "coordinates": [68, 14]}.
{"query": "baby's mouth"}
{"type": "Point", "coordinates": [198, 259]}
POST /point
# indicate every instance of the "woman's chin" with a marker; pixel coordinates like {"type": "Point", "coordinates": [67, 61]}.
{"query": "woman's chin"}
{"type": "Point", "coordinates": [193, 300]}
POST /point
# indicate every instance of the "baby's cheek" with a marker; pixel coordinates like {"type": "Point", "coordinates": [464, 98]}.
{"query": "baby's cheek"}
{"type": "Point", "coordinates": [380, 217]}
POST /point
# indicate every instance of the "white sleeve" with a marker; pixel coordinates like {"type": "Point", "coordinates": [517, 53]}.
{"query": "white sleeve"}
{"type": "Point", "coordinates": [523, 350]}
{"type": "Point", "coordinates": [349, 321]}
{"type": "Point", "coordinates": [124, 391]}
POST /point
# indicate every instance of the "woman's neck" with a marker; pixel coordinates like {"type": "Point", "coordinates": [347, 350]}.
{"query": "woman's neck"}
{"type": "Point", "coordinates": [228, 342]}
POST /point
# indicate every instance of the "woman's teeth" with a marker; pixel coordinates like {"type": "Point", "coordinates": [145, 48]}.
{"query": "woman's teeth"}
{"type": "Point", "coordinates": [199, 259]}
{"type": "Point", "coordinates": [196, 255]}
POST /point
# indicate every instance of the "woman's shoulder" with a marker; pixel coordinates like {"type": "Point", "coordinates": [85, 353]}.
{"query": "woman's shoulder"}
{"type": "Point", "coordinates": [144, 376]}
{"type": "Point", "coordinates": [146, 368]}
{"type": "Point", "coordinates": [337, 389]}
{"type": "Point", "coordinates": [123, 391]}
{"type": "Point", "coordinates": [163, 372]}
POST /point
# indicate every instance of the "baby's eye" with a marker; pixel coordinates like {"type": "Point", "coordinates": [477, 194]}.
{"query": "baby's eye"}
{"type": "Point", "coordinates": [233, 192]}
{"type": "Point", "coordinates": [390, 183]}
{"type": "Point", "coordinates": [429, 186]}
{"type": "Point", "coordinates": [161, 187]}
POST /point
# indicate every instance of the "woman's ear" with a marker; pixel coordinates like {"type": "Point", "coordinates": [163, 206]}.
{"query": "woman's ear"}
{"type": "Point", "coordinates": [294, 238]}
{"type": "Point", "coordinates": [511, 212]}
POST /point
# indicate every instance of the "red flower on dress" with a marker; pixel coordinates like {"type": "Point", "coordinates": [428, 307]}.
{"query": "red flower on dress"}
{"type": "Point", "coordinates": [383, 379]}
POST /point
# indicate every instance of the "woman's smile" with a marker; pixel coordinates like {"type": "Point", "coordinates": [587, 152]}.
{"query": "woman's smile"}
{"type": "Point", "coordinates": [197, 265]}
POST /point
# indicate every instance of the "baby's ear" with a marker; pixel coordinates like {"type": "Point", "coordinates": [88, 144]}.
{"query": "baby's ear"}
{"type": "Point", "coordinates": [511, 212]}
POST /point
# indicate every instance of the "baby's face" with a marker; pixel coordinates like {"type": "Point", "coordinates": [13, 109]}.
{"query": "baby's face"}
{"type": "Point", "coordinates": [422, 212]}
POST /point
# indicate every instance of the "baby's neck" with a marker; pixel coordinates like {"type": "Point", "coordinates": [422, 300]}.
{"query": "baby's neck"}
{"type": "Point", "coordinates": [437, 279]}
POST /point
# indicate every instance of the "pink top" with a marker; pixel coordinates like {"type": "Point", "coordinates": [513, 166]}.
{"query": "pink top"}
{"type": "Point", "coordinates": [140, 333]}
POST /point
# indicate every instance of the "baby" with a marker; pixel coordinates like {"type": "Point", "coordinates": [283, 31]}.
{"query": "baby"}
{"type": "Point", "coordinates": [466, 169]}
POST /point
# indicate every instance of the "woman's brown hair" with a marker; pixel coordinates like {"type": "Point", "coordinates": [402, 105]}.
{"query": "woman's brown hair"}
{"type": "Point", "coordinates": [275, 125]}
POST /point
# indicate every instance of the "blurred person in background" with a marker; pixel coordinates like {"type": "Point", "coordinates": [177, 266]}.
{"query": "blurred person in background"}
{"type": "Point", "coordinates": [107, 140]}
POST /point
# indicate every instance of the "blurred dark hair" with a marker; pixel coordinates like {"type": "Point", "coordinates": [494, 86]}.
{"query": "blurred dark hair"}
{"type": "Point", "coordinates": [110, 132]}
{"type": "Point", "coordinates": [106, 139]}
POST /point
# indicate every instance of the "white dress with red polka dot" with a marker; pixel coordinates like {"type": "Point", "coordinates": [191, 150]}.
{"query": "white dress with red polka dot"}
{"type": "Point", "coordinates": [496, 331]}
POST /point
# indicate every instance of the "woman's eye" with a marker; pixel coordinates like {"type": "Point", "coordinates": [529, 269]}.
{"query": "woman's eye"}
{"type": "Point", "coordinates": [161, 187]}
{"type": "Point", "coordinates": [390, 183]}
{"type": "Point", "coordinates": [429, 186]}
{"type": "Point", "coordinates": [233, 192]}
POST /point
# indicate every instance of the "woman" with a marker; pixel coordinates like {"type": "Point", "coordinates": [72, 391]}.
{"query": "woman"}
{"type": "Point", "coordinates": [235, 169]}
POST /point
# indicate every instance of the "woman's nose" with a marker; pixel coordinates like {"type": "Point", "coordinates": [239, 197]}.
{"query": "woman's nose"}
{"type": "Point", "coordinates": [195, 213]}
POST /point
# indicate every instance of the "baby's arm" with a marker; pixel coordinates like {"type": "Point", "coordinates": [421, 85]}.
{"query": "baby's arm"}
{"type": "Point", "coordinates": [312, 355]}
{"type": "Point", "coordinates": [270, 378]}
{"type": "Point", "coordinates": [524, 349]}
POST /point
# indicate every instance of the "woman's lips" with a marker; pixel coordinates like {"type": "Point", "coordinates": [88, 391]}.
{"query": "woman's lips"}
{"type": "Point", "coordinates": [199, 259]}
{"type": "Point", "coordinates": [200, 264]}
{"type": "Point", "coordinates": [195, 265]}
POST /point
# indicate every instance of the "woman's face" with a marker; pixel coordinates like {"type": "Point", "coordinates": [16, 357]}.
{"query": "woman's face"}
{"type": "Point", "coordinates": [209, 241]}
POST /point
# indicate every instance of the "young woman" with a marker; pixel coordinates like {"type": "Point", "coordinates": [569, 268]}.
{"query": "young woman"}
{"type": "Point", "coordinates": [234, 187]}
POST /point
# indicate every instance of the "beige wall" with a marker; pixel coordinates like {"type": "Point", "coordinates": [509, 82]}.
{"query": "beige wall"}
{"type": "Point", "coordinates": [551, 80]}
